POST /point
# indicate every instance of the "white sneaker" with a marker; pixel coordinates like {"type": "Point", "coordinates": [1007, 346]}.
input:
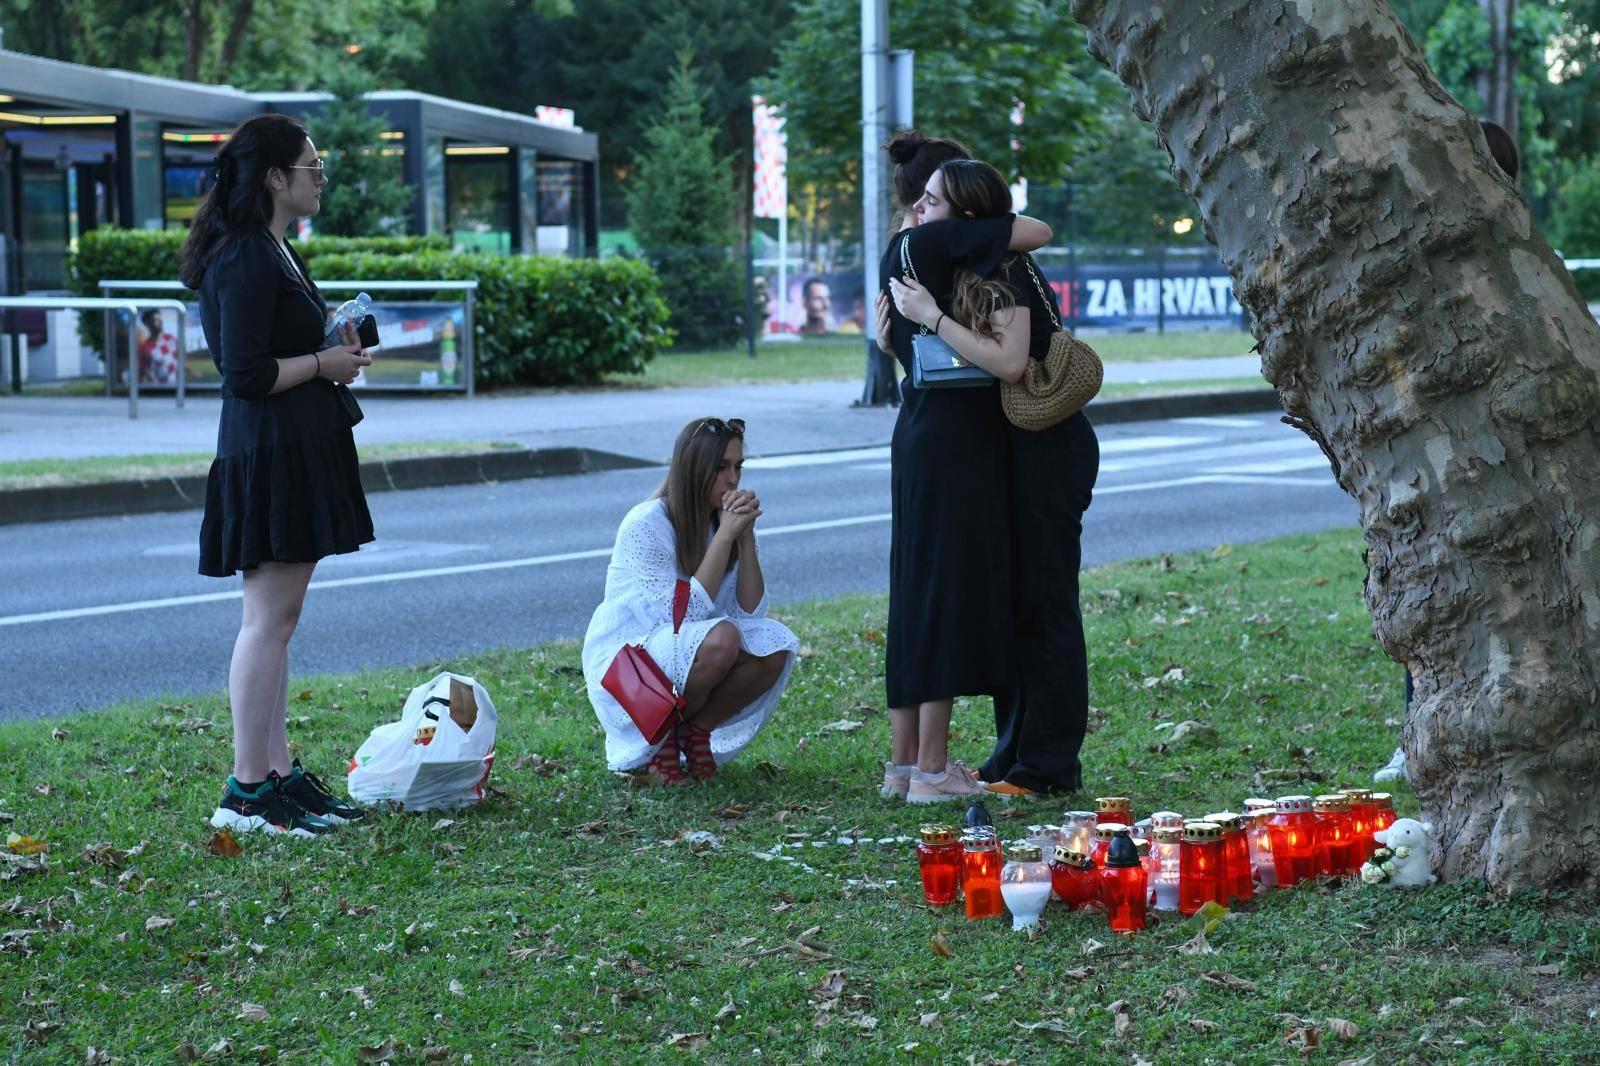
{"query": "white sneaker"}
{"type": "Point", "coordinates": [896, 783]}
{"type": "Point", "coordinates": [957, 782]}
{"type": "Point", "coordinates": [1395, 769]}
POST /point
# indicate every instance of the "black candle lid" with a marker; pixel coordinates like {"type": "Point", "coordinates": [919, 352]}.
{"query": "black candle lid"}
{"type": "Point", "coordinates": [1122, 854]}
{"type": "Point", "coordinates": [977, 814]}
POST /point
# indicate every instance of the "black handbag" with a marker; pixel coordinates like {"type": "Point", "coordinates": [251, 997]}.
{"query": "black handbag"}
{"type": "Point", "coordinates": [347, 400]}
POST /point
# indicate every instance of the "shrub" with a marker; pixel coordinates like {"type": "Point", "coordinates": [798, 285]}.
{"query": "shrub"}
{"type": "Point", "coordinates": [538, 320]}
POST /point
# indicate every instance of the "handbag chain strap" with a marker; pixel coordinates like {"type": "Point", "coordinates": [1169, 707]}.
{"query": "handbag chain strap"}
{"type": "Point", "coordinates": [1048, 304]}
{"type": "Point", "coordinates": [911, 272]}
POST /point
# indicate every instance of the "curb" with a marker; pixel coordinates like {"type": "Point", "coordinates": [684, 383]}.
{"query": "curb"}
{"type": "Point", "coordinates": [107, 498]}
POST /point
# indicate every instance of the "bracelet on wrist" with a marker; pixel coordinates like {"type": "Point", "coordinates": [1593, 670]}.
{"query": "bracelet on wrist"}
{"type": "Point", "coordinates": [318, 358]}
{"type": "Point", "coordinates": [938, 322]}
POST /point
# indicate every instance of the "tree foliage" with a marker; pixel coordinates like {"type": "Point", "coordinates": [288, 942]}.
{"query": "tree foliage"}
{"type": "Point", "coordinates": [366, 195]}
{"type": "Point", "coordinates": [682, 215]}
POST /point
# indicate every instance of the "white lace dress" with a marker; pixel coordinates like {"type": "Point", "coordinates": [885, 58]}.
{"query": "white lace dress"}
{"type": "Point", "coordinates": [637, 609]}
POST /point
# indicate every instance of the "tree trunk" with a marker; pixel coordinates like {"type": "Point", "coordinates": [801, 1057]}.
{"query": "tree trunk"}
{"type": "Point", "coordinates": [235, 38]}
{"type": "Point", "coordinates": [194, 38]}
{"type": "Point", "coordinates": [1498, 84]}
{"type": "Point", "coordinates": [1415, 322]}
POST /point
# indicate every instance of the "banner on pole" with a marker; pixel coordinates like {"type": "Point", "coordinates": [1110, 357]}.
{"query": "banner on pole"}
{"type": "Point", "coordinates": [771, 162]}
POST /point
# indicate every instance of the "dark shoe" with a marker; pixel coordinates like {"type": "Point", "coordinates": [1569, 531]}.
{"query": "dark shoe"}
{"type": "Point", "coordinates": [310, 793]}
{"type": "Point", "coordinates": [267, 810]}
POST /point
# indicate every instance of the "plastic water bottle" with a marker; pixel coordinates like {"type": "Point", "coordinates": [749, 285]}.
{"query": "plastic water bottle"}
{"type": "Point", "coordinates": [349, 313]}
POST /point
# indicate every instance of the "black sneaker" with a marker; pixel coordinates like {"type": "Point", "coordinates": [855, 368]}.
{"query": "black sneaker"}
{"type": "Point", "coordinates": [310, 793]}
{"type": "Point", "coordinates": [267, 810]}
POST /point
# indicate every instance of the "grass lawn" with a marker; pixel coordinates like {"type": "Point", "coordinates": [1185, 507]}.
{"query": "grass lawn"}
{"type": "Point", "coordinates": [570, 916]}
{"type": "Point", "coordinates": [835, 358]}
{"type": "Point", "coordinates": [42, 473]}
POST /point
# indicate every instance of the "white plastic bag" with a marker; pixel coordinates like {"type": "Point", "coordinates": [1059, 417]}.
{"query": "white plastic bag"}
{"type": "Point", "coordinates": [427, 760]}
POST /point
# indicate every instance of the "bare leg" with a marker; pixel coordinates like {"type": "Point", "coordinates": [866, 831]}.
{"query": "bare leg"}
{"type": "Point", "coordinates": [273, 595]}
{"type": "Point", "coordinates": [903, 735]}
{"type": "Point", "coordinates": [743, 685]}
{"type": "Point", "coordinates": [718, 652]}
{"type": "Point", "coordinates": [933, 736]}
{"type": "Point", "coordinates": [278, 757]}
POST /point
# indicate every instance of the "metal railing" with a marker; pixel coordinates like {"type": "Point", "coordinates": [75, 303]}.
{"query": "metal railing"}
{"type": "Point", "coordinates": [469, 289]}
{"type": "Point", "coordinates": [106, 305]}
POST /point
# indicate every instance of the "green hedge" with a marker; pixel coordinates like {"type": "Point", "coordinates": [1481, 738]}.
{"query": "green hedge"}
{"type": "Point", "coordinates": [538, 321]}
{"type": "Point", "coordinates": [152, 255]}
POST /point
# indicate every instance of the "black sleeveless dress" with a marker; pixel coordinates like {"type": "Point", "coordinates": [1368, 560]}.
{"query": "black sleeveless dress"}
{"type": "Point", "coordinates": [950, 595]}
{"type": "Point", "coordinates": [286, 484]}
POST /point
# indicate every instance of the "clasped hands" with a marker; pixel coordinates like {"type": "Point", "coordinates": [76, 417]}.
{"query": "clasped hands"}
{"type": "Point", "coordinates": [343, 362]}
{"type": "Point", "coordinates": [915, 301]}
{"type": "Point", "coordinates": [740, 509]}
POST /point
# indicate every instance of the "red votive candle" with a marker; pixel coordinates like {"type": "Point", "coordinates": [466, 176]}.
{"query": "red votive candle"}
{"type": "Point", "coordinates": [1113, 809]}
{"type": "Point", "coordinates": [981, 863]}
{"type": "Point", "coordinates": [1074, 878]}
{"type": "Point", "coordinates": [1102, 841]}
{"type": "Point", "coordinates": [1238, 878]}
{"type": "Point", "coordinates": [1294, 841]}
{"type": "Point", "coordinates": [1202, 870]}
{"type": "Point", "coordinates": [1336, 842]}
{"type": "Point", "coordinates": [1382, 814]}
{"type": "Point", "coordinates": [1123, 886]}
{"type": "Point", "coordinates": [1363, 812]}
{"type": "Point", "coordinates": [939, 856]}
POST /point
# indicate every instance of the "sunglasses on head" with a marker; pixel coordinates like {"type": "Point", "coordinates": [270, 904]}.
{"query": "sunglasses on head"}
{"type": "Point", "coordinates": [734, 426]}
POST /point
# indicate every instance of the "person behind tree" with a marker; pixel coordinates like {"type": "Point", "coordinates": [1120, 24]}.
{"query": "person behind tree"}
{"type": "Point", "coordinates": [729, 660]}
{"type": "Point", "coordinates": [999, 321]}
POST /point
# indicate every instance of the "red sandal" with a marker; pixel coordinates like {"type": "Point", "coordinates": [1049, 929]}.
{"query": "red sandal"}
{"type": "Point", "coordinates": [664, 763]}
{"type": "Point", "coordinates": [696, 746]}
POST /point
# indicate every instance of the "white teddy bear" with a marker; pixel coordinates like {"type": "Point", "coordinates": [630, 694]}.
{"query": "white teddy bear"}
{"type": "Point", "coordinates": [1410, 841]}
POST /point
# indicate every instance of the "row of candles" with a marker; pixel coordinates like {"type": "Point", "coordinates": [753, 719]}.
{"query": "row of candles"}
{"type": "Point", "coordinates": [1103, 857]}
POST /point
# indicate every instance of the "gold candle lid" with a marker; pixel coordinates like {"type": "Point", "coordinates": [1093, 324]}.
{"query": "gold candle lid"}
{"type": "Point", "coordinates": [1331, 804]}
{"type": "Point", "coordinates": [1255, 804]}
{"type": "Point", "coordinates": [1107, 830]}
{"type": "Point", "coordinates": [1383, 799]}
{"type": "Point", "coordinates": [1105, 804]}
{"type": "Point", "coordinates": [1357, 795]}
{"type": "Point", "coordinates": [1168, 834]}
{"type": "Point", "coordinates": [938, 834]}
{"type": "Point", "coordinates": [1201, 832]}
{"type": "Point", "coordinates": [1023, 853]}
{"type": "Point", "coordinates": [1071, 856]}
{"type": "Point", "coordinates": [1228, 820]}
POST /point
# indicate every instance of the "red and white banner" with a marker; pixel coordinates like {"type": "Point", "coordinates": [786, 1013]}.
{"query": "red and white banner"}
{"type": "Point", "coordinates": [771, 162]}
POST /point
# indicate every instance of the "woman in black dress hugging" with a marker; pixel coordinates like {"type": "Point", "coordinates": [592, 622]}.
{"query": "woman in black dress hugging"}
{"type": "Point", "coordinates": [999, 320]}
{"type": "Point", "coordinates": [285, 488]}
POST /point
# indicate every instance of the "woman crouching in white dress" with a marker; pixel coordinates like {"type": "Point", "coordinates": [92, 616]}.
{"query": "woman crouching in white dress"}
{"type": "Point", "coordinates": [729, 660]}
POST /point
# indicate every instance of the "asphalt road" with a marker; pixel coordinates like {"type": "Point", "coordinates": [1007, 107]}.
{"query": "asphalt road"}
{"type": "Point", "coordinates": [100, 610]}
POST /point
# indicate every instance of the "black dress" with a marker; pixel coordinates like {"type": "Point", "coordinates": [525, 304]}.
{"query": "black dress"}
{"type": "Point", "coordinates": [286, 485]}
{"type": "Point", "coordinates": [949, 559]}
{"type": "Point", "coordinates": [1040, 722]}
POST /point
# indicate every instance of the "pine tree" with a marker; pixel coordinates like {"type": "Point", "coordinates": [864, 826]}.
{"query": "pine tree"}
{"type": "Point", "coordinates": [681, 205]}
{"type": "Point", "coordinates": [366, 194]}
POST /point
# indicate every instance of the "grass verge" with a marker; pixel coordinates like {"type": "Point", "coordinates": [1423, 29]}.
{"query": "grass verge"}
{"type": "Point", "coordinates": [44, 473]}
{"type": "Point", "coordinates": [569, 914]}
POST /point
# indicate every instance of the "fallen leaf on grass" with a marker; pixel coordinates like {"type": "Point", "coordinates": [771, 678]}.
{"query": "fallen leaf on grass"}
{"type": "Point", "coordinates": [1303, 1037]}
{"type": "Point", "coordinates": [1203, 1025]}
{"type": "Point", "coordinates": [1365, 1060]}
{"type": "Point", "coordinates": [688, 1041]}
{"type": "Point", "coordinates": [443, 823]}
{"type": "Point", "coordinates": [1549, 969]}
{"type": "Point", "coordinates": [435, 1053]}
{"type": "Point", "coordinates": [1208, 917]}
{"type": "Point", "coordinates": [59, 734]}
{"type": "Point", "coordinates": [1228, 980]}
{"type": "Point", "coordinates": [696, 840]}
{"type": "Point", "coordinates": [1197, 945]}
{"type": "Point", "coordinates": [254, 1012]}
{"type": "Point", "coordinates": [40, 1032]}
{"type": "Point", "coordinates": [222, 1047]}
{"type": "Point", "coordinates": [377, 1053]}
{"type": "Point", "coordinates": [1091, 946]}
{"type": "Point", "coordinates": [941, 945]}
{"type": "Point", "coordinates": [25, 845]}
{"type": "Point", "coordinates": [186, 1052]}
{"type": "Point", "coordinates": [1079, 973]}
{"type": "Point", "coordinates": [538, 764]}
{"type": "Point", "coordinates": [1121, 1019]}
{"type": "Point", "coordinates": [154, 922]}
{"type": "Point", "coordinates": [225, 844]}
{"type": "Point", "coordinates": [728, 1010]}
{"type": "Point", "coordinates": [872, 635]}
{"type": "Point", "coordinates": [843, 725]}
{"type": "Point", "coordinates": [1342, 1028]}
{"type": "Point", "coordinates": [456, 988]}
{"type": "Point", "coordinates": [930, 1021]}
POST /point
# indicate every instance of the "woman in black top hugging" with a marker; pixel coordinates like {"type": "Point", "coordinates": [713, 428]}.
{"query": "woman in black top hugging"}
{"type": "Point", "coordinates": [999, 319]}
{"type": "Point", "coordinates": [285, 489]}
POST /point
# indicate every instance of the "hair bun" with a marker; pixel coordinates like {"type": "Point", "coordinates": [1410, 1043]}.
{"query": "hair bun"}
{"type": "Point", "coordinates": [903, 148]}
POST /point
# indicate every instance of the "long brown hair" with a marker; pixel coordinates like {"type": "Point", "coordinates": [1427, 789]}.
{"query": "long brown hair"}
{"type": "Point", "coordinates": [976, 189]}
{"type": "Point", "coordinates": [239, 200]}
{"type": "Point", "coordinates": [695, 456]}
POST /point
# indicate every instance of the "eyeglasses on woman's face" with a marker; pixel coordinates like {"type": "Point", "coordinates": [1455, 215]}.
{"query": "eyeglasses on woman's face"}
{"type": "Point", "coordinates": [317, 168]}
{"type": "Point", "coordinates": [734, 426]}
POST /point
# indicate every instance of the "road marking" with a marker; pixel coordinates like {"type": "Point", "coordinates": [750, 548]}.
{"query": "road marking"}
{"type": "Point", "coordinates": [1279, 466]}
{"type": "Point", "coordinates": [1296, 449]}
{"type": "Point", "coordinates": [1113, 445]}
{"type": "Point", "coordinates": [102, 610]}
{"type": "Point", "coordinates": [1222, 420]}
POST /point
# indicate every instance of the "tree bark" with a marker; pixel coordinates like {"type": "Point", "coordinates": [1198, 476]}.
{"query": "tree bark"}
{"type": "Point", "coordinates": [1416, 323]}
{"type": "Point", "coordinates": [235, 38]}
{"type": "Point", "coordinates": [194, 37]}
{"type": "Point", "coordinates": [1497, 85]}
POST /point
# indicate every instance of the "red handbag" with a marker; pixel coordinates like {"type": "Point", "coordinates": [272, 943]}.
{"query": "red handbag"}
{"type": "Point", "coordinates": [643, 688]}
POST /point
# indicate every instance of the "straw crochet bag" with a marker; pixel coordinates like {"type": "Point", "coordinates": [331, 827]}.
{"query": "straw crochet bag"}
{"type": "Point", "coordinates": [1056, 387]}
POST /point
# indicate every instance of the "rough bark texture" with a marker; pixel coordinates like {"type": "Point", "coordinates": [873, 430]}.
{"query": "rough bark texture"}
{"type": "Point", "coordinates": [1415, 322]}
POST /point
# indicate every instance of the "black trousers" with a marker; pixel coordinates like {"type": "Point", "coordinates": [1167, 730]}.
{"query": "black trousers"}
{"type": "Point", "coordinates": [1040, 724]}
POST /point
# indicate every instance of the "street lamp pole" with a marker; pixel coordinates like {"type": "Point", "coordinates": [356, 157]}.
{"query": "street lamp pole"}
{"type": "Point", "coordinates": [875, 113]}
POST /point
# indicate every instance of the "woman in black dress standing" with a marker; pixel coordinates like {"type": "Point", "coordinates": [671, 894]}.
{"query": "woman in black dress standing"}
{"type": "Point", "coordinates": [950, 596]}
{"type": "Point", "coordinates": [1041, 719]}
{"type": "Point", "coordinates": [285, 488]}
